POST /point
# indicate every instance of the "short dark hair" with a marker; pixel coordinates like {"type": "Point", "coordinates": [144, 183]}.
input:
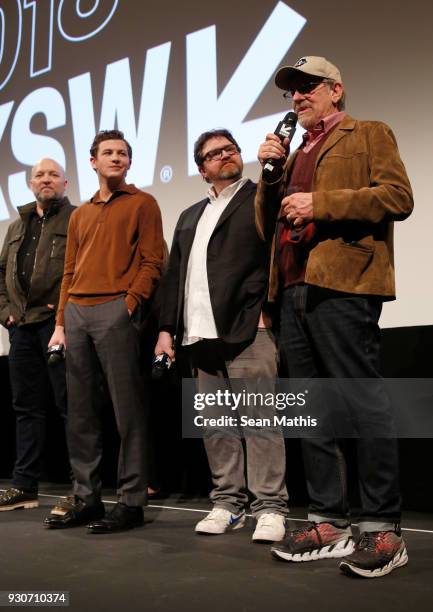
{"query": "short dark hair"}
{"type": "Point", "coordinates": [203, 138]}
{"type": "Point", "coordinates": [109, 135]}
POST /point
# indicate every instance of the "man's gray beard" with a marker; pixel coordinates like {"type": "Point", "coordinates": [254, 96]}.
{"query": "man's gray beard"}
{"type": "Point", "coordinates": [305, 124]}
{"type": "Point", "coordinates": [48, 200]}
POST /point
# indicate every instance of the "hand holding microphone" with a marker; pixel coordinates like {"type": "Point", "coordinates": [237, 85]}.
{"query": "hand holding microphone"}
{"type": "Point", "coordinates": [297, 206]}
{"type": "Point", "coordinates": [272, 153]}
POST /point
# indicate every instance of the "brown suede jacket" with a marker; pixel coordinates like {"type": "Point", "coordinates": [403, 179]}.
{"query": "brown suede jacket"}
{"type": "Point", "coordinates": [360, 187]}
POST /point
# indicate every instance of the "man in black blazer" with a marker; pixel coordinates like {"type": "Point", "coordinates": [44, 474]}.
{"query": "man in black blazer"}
{"type": "Point", "coordinates": [212, 298]}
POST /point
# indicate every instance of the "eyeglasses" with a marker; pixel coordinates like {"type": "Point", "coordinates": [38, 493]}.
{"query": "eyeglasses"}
{"type": "Point", "coordinates": [304, 89]}
{"type": "Point", "coordinates": [217, 154]}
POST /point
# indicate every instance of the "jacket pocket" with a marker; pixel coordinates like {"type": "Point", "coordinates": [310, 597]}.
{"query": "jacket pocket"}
{"type": "Point", "coordinates": [341, 266]}
{"type": "Point", "coordinates": [13, 248]}
{"type": "Point", "coordinates": [357, 258]}
{"type": "Point", "coordinates": [15, 243]}
{"type": "Point", "coordinates": [58, 246]}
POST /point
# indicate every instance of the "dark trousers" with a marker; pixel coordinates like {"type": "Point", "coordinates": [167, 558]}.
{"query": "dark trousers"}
{"type": "Point", "coordinates": [29, 375]}
{"type": "Point", "coordinates": [326, 334]}
{"type": "Point", "coordinates": [105, 336]}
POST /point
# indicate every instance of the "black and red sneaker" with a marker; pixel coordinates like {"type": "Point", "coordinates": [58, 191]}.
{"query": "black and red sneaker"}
{"type": "Point", "coordinates": [315, 541]}
{"type": "Point", "coordinates": [376, 554]}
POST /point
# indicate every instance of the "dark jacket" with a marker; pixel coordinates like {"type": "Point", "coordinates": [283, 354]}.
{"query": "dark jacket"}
{"type": "Point", "coordinates": [48, 270]}
{"type": "Point", "coordinates": [237, 267]}
{"type": "Point", "coordinates": [360, 187]}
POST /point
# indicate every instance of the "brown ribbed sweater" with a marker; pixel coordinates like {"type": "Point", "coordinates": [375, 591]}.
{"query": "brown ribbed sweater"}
{"type": "Point", "coordinates": [113, 248]}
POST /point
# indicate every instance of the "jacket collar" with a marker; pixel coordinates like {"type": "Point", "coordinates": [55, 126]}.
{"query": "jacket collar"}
{"type": "Point", "coordinates": [27, 209]}
{"type": "Point", "coordinates": [235, 202]}
{"type": "Point", "coordinates": [342, 129]}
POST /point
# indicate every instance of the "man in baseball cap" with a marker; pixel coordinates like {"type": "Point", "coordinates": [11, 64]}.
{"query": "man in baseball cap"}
{"type": "Point", "coordinates": [329, 211]}
{"type": "Point", "coordinates": [310, 66]}
{"type": "Point", "coordinates": [307, 84]}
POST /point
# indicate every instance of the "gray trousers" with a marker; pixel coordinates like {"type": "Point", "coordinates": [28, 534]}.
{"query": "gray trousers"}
{"type": "Point", "coordinates": [105, 333]}
{"type": "Point", "coordinates": [256, 461]}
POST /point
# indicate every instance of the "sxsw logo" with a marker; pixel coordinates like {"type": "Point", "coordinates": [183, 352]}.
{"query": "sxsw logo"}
{"type": "Point", "coordinates": [205, 109]}
{"type": "Point", "coordinates": [245, 86]}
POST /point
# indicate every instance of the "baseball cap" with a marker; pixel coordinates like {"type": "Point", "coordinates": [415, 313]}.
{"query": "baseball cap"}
{"type": "Point", "coordinates": [310, 65]}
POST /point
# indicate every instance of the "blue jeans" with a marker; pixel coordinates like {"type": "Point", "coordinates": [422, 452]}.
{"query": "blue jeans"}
{"type": "Point", "coordinates": [326, 334]}
{"type": "Point", "coordinates": [29, 376]}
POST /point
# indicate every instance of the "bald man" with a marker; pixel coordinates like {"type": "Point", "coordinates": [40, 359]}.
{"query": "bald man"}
{"type": "Point", "coordinates": [31, 270]}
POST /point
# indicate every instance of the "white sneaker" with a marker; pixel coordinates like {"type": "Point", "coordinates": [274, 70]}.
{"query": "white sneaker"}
{"type": "Point", "coordinates": [270, 528]}
{"type": "Point", "coordinates": [219, 521]}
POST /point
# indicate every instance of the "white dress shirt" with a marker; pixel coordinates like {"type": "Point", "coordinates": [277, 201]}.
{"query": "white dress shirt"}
{"type": "Point", "coordinates": [199, 321]}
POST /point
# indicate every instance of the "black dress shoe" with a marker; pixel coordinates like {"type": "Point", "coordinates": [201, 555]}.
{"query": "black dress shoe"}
{"type": "Point", "coordinates": [120, 518]}
{"type": "Point", "coordinates": [73, 511]}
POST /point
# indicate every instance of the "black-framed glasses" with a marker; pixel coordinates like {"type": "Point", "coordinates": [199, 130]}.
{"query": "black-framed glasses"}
{"type": "Point", "coordinates": [217, 154]}
{"type": "Point", "coordinates": [304, 89]}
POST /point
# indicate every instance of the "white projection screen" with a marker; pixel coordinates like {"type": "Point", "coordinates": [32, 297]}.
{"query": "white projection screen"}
{"type": "Point", "coordinates": [164, 71]}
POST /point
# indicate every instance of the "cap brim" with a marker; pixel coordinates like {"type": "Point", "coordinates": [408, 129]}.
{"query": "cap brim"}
{"type": "Point", "coordinates": [286, 76]}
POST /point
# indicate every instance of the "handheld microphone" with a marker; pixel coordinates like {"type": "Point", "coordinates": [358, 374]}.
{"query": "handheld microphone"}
{"type": "Point", "coordinates": [160, 365]}
{"type": "Point", "coordinates": [273, 168]}
{"type": "Point", "coordinates": [56, 354]}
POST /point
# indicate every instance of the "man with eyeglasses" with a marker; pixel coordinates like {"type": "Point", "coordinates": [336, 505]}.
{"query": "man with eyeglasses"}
{"type": "Point", "coordinates": [330, 213]}
{"type": "Point", "coordinates": [213, 296]}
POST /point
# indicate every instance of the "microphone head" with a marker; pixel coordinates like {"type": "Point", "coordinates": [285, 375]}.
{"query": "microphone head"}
{"type": "Point", "coordinates": [291, 118]}
{"type": "Point", "coordinates": [286, 128]}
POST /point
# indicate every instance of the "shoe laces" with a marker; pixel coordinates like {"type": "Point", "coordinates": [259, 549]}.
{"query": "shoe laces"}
{"type": "Point", "coordinates": [218, 513]}
{"type": "Point", "coordinates": [321, 532]}
{"type": "Point", "coordinates": [267, 518]}
{"type": "Point", "coordinates": [375, 540]}
{"type": "Point", "coordinates": [304, 531]}
{"type": "Point", "coordinates": [372, 540]}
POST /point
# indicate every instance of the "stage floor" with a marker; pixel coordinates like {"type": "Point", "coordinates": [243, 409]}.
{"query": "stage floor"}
{"type": "Point", "coordinates": [165, 566]}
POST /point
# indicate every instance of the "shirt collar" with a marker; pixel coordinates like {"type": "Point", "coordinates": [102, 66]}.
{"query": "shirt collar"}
{"type": "Point", "coordinates": [228, 192]}
{"type": "Point", "coordinates": [130, 189]}
{"type": "Point", "coordinates": [324, 126]}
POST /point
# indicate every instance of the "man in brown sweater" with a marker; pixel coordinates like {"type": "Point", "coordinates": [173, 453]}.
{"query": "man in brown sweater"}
{"type": "Point", "coordinates": [113, 261]}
